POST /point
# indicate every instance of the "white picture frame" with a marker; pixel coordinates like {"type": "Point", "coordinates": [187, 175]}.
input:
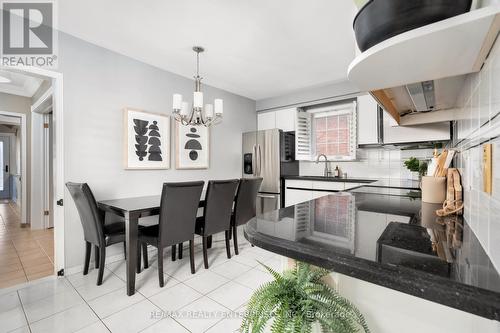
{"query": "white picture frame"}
{"type": "Point", "coordinates": [147, 140]}
{"type": "Point", "coordinates": [192, 148]}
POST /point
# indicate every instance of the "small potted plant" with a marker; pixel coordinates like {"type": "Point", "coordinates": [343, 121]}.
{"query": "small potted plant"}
{"type": "Point", "coordinates": [416, 167]}
{"type": "Point", "coordinates": [298, 301]}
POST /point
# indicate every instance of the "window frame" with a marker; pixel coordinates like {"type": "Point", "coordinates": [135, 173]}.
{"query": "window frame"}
{"type": "Point", "coordinates": [337, 110]}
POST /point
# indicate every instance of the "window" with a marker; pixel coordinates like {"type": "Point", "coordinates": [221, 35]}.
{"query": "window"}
{"type": "Point", "coordinates": [327, 130]}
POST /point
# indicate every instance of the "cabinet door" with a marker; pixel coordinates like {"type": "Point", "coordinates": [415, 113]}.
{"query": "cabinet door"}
{"type": "Point", "coordinates": [285, 119]}
{"type": "Point", "coordinates": [368, 120]}
{"type": "Point", "coordinates": [332, 186]}
{"type": "Point", "coordinates": [293, 197]}
{"type": "Point", "coordinates": [415, 133]}
{"type": "Point", "coordinates": [266, 120]}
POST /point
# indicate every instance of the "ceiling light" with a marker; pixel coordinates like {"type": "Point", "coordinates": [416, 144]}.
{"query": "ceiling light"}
{"type": "Point", "coordinates": [4, 79]}
{"type": "Point", "coordinates": [198, 115]}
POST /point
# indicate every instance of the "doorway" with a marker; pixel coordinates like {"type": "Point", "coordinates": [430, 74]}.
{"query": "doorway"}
{"type": "Point", "coordinates": [5, 190]}
{"type": "Point", "coordinates": [36, 249]}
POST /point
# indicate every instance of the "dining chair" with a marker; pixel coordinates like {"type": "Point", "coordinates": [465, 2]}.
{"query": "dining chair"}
{"type": "Point", "coordinates": [96, 231]}
{"type": "Point", "coordinates": [176, 224]}
{"type": "Point", "coordinates": [244, 205]}
{"type": "Point", "coordinates": [217, 213]}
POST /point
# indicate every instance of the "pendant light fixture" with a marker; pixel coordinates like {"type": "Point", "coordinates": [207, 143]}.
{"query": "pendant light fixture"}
{"type": "Point", "coordinates": [197, 115]}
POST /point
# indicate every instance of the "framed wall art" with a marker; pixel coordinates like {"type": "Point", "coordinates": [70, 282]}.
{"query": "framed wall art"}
{"type": "Point", "coordinates": [192, 149]}
{"type": "Point", "coordinates": [147, 140]}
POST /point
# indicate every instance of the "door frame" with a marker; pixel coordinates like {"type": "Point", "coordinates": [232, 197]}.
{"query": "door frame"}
{"type": "Point", "coordinates": [58, 161]}
{"type": "Point", "coordinates": [22, 116]}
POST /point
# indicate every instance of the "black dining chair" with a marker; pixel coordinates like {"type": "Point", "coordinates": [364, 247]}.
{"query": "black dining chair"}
{"type": "Point", "coordinates": [96, 231]}
{"type": "Point", "coordinates": [178, 208]}
{"type": "Point", "coordinates": [217, 213]}
{"type": "Point", "coordinates": [244, 205]}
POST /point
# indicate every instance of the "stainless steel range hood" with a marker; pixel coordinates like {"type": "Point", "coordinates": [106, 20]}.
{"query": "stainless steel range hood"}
{"type": "Point", "coordinates": [435, 95]}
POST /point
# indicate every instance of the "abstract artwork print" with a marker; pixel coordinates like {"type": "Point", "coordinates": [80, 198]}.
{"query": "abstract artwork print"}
{"type": "Point", "coordinates": [192, 147]}
{"type": "Point", "coordinates": [147, 144]}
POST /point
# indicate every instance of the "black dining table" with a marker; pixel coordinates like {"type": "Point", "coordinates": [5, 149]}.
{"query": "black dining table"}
{"type": "Point", "coordinates": [131, 209]}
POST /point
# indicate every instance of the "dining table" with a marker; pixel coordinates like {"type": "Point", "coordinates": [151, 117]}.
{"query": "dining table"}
{"type": "Point", "coordinates": [132, 209]}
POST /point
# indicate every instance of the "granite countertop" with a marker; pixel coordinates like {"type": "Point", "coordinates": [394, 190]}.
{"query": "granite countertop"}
{"type": "Point", "coordinates": [390, 239]}
{"type": "Point", "coordinates": [370, 182]}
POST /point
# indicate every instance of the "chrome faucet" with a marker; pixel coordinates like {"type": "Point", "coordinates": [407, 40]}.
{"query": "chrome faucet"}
{"type": "Point", "coordinates": [326, 173]}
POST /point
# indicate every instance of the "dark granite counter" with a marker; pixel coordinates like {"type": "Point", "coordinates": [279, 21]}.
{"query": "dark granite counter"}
{"type": "Point", "coordinates": [384, 182]}
{"type": "Point", "coordinates": [390, 239]}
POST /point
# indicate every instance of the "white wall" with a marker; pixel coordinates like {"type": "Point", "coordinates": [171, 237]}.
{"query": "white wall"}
{"type": "Point", "coordinates": [98, 84]}
{"type": "Point", "coordinates": [480, 103]}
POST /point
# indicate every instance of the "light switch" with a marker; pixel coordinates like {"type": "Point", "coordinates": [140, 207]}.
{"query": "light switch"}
{"type": "Point", "coordinates": [487, 167]}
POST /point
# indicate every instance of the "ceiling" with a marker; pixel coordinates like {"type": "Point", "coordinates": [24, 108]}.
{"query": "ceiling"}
{"type": "Point", "coordinates": [258, 48]}
{"type": "Point", "coordinates": [20, 84]}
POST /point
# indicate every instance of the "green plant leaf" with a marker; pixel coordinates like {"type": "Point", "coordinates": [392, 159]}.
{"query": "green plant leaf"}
{"type": "Point", "coordinates": [296, 299]}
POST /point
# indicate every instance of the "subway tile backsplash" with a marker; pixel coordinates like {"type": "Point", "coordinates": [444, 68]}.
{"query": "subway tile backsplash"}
{"type": "Point", "coordinates": [372, 163]}
{"type": "Point", "coordinates": [479, 123]}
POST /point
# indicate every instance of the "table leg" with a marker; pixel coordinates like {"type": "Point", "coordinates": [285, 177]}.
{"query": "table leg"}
{"type": "Point", "coordinates": [131, 225]}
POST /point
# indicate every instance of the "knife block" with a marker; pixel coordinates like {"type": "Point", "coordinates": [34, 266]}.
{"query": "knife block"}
{"type": "Point", "coordinates": [433, 189]}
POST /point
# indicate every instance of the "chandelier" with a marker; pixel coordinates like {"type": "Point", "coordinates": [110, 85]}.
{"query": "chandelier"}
{"type": "Point", "coordinates": [197, 115]}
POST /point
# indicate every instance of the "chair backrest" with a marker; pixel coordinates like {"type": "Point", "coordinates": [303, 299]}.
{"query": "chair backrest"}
{"type": "Point", "coordinates": [178, 208]}
{"type": "Point", "coordinates": [246, 200]}
{"type": "Point", "coordinates": [219, 205]}
{"type": "Point", "coordinates": [90, 216]}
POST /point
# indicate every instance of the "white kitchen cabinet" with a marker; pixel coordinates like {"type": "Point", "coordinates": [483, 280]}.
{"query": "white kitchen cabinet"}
{"type": "Point", "coordinates": [294, 196]}
{"type": "Point", "coordinates": [297, 191]}
{"type": "Point", "coordinates": [285, 119]}
{"type": "Point", "coordinates": [266, 120]}
{"type": "Point", "coordinates": [416, 133]}
{"type": "Point", "coordinates": [330, 186]}
{"type": "Point", "coordinates": [368, 120]}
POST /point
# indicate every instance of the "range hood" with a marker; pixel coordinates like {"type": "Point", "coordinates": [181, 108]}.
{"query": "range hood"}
{"type": "Point", "coordinates": [422, 95]}
{"type": "Point", "coordinates": [426, 96]}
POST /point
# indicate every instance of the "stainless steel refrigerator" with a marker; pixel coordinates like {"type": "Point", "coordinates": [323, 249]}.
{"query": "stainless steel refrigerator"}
{"type": "Point", "coordinates": [269, 154]}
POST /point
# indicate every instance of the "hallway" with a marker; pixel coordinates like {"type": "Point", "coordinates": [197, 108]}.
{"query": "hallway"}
{"type": "Point", "coordinates": [25, 254]}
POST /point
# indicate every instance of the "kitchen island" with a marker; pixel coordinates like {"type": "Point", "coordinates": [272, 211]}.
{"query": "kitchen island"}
{"type": "Point", "coordinates": [392, 256]}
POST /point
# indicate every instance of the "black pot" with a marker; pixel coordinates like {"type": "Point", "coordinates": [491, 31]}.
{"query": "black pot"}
{"type": "Point", "coordinates": [379, 20]}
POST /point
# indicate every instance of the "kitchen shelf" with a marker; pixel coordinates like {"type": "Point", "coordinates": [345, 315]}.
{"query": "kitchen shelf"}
{"type": "Point", "coordinates": [455, 46]}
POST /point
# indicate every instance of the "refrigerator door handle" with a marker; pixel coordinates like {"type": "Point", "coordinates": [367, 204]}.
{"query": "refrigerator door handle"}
{"type": "Point", "coordinates": [254, 162]}
{"type": "Point", "coordinates": [259, 159]}
{"type": "Point", "coordinates": [267, 196]}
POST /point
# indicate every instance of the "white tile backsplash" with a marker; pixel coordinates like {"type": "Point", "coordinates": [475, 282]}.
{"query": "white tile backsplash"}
{"type": "Point", "coordinates": [480, 103]}
{"type": "Point", "coordinates": [372, 163]}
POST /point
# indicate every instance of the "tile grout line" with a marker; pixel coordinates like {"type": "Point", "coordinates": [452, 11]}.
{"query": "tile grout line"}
{"type": "Point", "coordinates": [85, 301]}
{"type": "Point", "coordinates": [24, 311]}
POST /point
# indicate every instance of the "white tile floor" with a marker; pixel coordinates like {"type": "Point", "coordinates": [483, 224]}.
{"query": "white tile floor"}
{"type": "Point", "coordinates": [209, 301]}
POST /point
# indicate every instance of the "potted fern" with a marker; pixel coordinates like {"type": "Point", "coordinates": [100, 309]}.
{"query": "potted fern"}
{"type": "Point", "coordinates": [297, 301]}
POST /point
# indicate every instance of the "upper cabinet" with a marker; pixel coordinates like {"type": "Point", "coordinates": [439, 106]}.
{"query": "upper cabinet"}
{"type": "Point", "coordinates": [266, 120]}
{"type": "Point", "coordinates": [406, 71]}
{"type": "Point", "coordinates": [393, 133]}
{"type": "Point", "coordinates": [283, 119]}
{"type": "Point", "coordinates": [368, 121]}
